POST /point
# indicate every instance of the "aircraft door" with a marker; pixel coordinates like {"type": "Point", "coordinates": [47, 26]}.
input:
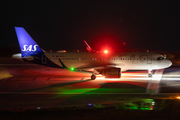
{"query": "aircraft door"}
{"type": "Point", "coordinates": [143, 58]}
{"type": "Point", "coordinates": [44, 59]}
{"type": "Point", "coordinates": [146, 58]}
{"type": "Point", "coordinates": [149, 59]}
{"type": "Point", "coordinates": [133, 59]}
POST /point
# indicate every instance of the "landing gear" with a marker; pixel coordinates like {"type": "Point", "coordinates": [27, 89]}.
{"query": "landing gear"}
{"type": "Point", "coordinates": [93, 77]}
{"type": "Point", "coordinates": [149, 73]}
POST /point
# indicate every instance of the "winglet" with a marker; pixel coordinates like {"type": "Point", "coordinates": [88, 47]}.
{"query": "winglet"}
{"type": "Point", "coordinates": [63, 65]}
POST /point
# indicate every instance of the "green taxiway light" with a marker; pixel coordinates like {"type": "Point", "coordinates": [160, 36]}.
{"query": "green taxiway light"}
{"type": "Point", "coordinates": [72, 69]}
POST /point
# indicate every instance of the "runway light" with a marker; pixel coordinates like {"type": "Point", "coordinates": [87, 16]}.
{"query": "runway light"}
{"type": "Point", "coordinates": [153, 103]}
{"type": "Point", "coordinates": [106, 51]}
{"type": "Point", "coordinates": [89, 104]}
{"type": "Point", "coordinates": [72, 69]}
{"type": "Point", "coordinates": [178, 97]}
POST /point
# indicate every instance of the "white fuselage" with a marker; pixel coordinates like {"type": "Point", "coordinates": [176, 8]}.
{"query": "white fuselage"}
{"type": "Point", "coordinates": [125, 61]}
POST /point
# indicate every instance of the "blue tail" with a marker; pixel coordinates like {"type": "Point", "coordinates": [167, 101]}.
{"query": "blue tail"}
{"type": "Point", "coordinates": [27, 45]}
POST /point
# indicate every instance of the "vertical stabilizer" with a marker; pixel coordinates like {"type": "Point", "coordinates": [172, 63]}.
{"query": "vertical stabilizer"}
{"type": "Point", "coordinates": [87, 46]}
{"type": "Point", "coordinates": [27, 45]}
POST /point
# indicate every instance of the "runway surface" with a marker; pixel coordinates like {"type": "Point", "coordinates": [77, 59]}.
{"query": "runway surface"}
{"type": "Point", "coordinates": [24, 85]}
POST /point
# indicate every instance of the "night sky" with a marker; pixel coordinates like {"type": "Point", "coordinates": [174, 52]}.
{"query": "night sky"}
{"type": "Point", "coordinates": [64, 24]}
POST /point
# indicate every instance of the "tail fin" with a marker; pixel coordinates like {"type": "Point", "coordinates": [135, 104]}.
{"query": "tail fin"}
{"type": "Point", "coordinates": [27, 45]}
{"type": "Point", "coordinates": [87, 46]}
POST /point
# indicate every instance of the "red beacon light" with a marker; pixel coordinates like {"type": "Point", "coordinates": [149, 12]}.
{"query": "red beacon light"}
{"type": "Point", "coordinates": [106, 51]}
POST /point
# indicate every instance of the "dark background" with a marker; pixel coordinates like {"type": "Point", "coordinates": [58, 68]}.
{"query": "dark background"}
{"type": "Point", "coordinates": [64, 24]}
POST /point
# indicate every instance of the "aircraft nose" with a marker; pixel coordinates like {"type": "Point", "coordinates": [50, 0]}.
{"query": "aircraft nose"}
{"type": "Point", "coordinates": [170, 63]}
{"type": "Point", "coordinates": [165, 64]}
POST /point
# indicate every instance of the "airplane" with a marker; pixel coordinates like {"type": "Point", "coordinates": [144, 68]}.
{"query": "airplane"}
{"type": "Point", "coordinates": [109, 64]}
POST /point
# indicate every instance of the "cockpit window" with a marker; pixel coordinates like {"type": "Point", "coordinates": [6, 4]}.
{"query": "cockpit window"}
{"type": "Point", "coordinates": [160, 58]}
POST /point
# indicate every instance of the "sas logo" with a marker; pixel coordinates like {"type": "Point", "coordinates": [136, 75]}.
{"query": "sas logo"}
{"type": "Point", "coordinates": [29, 48]}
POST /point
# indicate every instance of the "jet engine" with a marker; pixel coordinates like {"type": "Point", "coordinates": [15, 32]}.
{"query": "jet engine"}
{"type": "Point", "coordinates": [110, 72]}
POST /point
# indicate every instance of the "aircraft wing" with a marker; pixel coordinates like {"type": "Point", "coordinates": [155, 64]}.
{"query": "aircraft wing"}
{"type": "Point", "coordinates": [96, 66]}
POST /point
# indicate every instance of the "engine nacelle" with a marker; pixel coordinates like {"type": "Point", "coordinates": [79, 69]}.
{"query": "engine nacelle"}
{"type": "Point", "coordinates": [112, 72]}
